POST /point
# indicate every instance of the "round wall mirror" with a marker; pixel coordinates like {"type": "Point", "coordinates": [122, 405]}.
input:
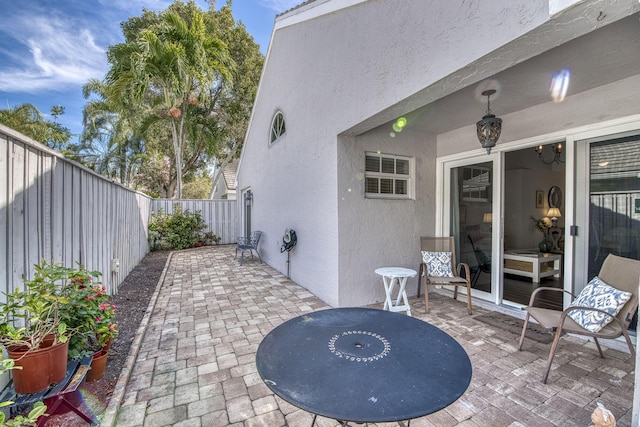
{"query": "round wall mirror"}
{"type": "Point", "coordinates": [555, 197]}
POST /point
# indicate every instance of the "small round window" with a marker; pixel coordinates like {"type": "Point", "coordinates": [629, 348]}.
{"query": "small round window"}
{"type": "Point", "coordinates": [277, 127]}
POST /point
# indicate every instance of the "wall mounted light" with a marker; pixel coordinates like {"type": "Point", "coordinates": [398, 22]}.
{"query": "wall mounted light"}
{"type": "Point", "coordinates": [557, 152]}
{"type": "Point", "coordinates": [489, 128]}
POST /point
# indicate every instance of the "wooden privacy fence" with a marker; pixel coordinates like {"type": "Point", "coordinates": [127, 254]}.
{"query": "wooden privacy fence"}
{"type": "Point", "coordinates": [221, 216]}
{"type": "Point", "coordinates": [55, 209]}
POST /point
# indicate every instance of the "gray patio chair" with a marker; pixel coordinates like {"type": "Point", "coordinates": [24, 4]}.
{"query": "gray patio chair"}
{"type": "Point", "coordinates": [621, 273]}
{"type": "Point", "coordinates": [248, 243]}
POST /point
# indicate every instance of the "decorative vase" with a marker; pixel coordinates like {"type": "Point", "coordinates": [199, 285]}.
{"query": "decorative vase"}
{"type": "Point", "coordinates": [40, 368]}
{"type": "Point", "coordinates": [98, 365]}
{"type": "Point", "coordinates": [545, 246]}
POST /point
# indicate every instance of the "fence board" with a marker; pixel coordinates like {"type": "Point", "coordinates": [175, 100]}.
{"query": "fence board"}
{"type": "Point", "coordinates": [55, 209]}
{"type": "Point", "coordinates": [219, 215]}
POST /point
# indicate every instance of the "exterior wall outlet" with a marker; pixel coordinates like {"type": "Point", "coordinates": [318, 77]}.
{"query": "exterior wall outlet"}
{"type": "Point", "coordinates": [115, 265]}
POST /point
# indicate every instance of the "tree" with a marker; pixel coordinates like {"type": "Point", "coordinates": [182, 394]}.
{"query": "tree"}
{"type": "Point", "coordinates": [171, 64]}
{"type": "Point", "coordinates": [235, 100]}
{"type": "Point", "coordinates": [109, 144]}
{"type": "Point", "coordinates": [27, 119]}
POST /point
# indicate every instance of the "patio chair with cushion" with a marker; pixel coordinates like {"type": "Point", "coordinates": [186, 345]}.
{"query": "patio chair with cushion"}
{"type": "Point", "coordinates": [603, 309]}
{"type": "Point", "coordinates": [437, 268]}
{"type": "Point", "coordinates": [248, 243]}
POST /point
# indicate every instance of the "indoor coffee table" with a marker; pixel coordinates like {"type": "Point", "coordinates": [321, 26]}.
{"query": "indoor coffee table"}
{"type": "Point", "coordinates": [363, 365]}
{"type": "Point", "coordinates": [532, 264]}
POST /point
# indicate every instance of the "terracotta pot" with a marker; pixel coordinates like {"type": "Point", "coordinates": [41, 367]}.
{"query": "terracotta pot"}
{"type": "Point", "coordinates": [40, 368]}
{"type": "Point", "coordinates": [107, 345]}
{"type": "Point", "coordinates": [98, 365]}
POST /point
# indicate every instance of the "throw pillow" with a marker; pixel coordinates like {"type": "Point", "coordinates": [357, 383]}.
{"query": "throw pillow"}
{"type": "Point", "coordinates": [438, 263]}
{"type": "Point", "coordinates": [598, 294]}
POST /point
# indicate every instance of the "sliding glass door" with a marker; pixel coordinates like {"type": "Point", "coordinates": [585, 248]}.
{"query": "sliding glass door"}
{"type": "Point", "coordinates": [470, 194]}
{"type": "Point", "coordinates": [611, 218]}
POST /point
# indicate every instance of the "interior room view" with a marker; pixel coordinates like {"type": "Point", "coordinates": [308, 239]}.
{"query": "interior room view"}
{"type": "Point", "coordinates": [533, 222]}
{"type": "Point", "coordinates": [533, 246]}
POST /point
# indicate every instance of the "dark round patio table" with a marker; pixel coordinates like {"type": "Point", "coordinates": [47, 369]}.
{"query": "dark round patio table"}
{"type": "Point", "coordinates": [363, 365]}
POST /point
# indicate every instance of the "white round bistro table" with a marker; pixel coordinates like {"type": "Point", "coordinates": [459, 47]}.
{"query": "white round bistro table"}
{"type": "Point", "coordinates": [391, 276]}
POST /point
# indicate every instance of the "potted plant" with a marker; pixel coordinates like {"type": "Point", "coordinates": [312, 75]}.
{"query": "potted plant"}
{"type": "Point", "coordinates": [30, 418]}
{"type": "Point", "coordinates": [33, 332]}
{"type": "Point", "coordinates": [91, 317]}
{"type": "Point", "coordinates": [541, 225]}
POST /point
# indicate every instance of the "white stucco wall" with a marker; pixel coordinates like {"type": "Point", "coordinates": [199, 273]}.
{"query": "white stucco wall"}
{"type": "Point", "coordinates": [603, 103]}
{"type": "Point", "coordinates": [330, 73]}
{"type": "Point", "coordinates": [381, 232]}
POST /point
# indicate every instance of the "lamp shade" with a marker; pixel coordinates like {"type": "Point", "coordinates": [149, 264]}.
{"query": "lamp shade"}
{"type": "Point", "coordinates": [554, 213]}
{"type": "Point", "coordinates": [487, 218]}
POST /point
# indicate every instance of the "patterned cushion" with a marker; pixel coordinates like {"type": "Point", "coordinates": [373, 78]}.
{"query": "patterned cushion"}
{"type": "Point", "coordinates": [438, 263]}
{"type": "Point", "coordinates": [598, 294]}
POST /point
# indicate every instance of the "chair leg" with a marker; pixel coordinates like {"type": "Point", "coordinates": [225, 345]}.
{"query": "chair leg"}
{"type": "Point", "coordinates": [455, 292]}
{"type": "Point", "coordinates": [476, 275]}
{"type": "Point", "coordinates": [258, 253]}
{"type": "Point", "coordinates": [631, 349]}
{"type": "Point", "coordinates": [524, 330]}
{"type": "Point", "coordinates": [420, 272]}
{"type": "Point", "coordinates": [426, 298]}
{"type": "Point", "coordinates": [552, 353]}
{"type": "Point", "coordinates": [599, 348]}
{"type": "Point", "coordinates": [469, 297]}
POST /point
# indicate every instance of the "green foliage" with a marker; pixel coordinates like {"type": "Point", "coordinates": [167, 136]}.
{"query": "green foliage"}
{"type": "Point", "coordinates": [179, 230]}
{"type": "Point", "coordinates": [181, 85]}
{"type": "Point", "coordinates": [540, 224]}
{"type": "Point", "coordinates": [30, 419]}
{"type": "Point", "coordinates": [199, 187]}
{"type": "Point", "coordinates": [28, 316]}
{"type": "Point", "coordinates": [27, 119]}
{"type": "Point", "coordinates": [89, 314]}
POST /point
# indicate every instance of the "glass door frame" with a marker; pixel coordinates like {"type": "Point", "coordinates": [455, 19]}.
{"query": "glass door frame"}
{"type": "Point", "coordinates": [583, 161]}
{"type": "Point", "coordinates": [443, 207]}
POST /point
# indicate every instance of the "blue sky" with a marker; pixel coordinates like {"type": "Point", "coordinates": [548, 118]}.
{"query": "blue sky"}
{"type": "Point", "coordinates": [50, 48]}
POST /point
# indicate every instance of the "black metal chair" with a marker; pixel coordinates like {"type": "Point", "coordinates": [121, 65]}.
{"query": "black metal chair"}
{"type": "Point", "coordinates": [248, 243]}
{"type": "Point", "coordinates": [484, 262]}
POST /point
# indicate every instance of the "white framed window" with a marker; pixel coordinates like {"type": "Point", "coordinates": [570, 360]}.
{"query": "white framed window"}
{"type": "Point", "coordinates": [388, 176]}
{"type": "Point", "coordinates": [278, 127]}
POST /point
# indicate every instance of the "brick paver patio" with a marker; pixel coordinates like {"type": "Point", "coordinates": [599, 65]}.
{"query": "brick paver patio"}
{"type": "Point", "coordinates": [195, 363]}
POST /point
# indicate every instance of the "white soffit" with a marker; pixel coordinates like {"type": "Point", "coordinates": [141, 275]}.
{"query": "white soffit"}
{"type": "Point", "coordinates": [556, 6]}
{"type": "Point", "coordinates": [312, 10]}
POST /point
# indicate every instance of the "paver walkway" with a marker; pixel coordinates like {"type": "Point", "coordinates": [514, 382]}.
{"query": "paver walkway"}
{"type": "Point", "coordinates": [196, 360]}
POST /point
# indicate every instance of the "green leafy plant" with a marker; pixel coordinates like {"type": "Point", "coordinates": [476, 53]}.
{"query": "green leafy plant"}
{"type": "Point", "coordinates": [540, 224]}
{"type": "Point", "coordinates": [210, 238]}
{"type": "Point", "coordinates": [179, 230]}
{"type": "Point", "coordinates": [28, 316]}
{"type": "Point", "coordinates": [89, 314]}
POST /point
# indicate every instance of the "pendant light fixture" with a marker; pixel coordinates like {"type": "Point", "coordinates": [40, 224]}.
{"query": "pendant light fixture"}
{"type": "Point", "coordinates": [490, 126]}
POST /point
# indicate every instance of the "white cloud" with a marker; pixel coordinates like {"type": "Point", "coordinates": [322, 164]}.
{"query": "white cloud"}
{"type": "Point", "coordinates": [280, 6]}
{"type": "Point", "coordinates": [58, 54]}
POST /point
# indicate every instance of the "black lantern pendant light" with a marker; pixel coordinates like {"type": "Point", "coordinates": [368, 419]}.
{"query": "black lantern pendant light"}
{"type": "Point", "coordinates": [490, 126]}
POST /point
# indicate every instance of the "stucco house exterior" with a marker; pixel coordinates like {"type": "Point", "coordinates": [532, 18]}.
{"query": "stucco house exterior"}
{"type": "Point", "coordinates": [225, 187]}
{"type": "Point", "coordinates": [352, 87]}
{"type": "Point", "coordinates": [363, 138]}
